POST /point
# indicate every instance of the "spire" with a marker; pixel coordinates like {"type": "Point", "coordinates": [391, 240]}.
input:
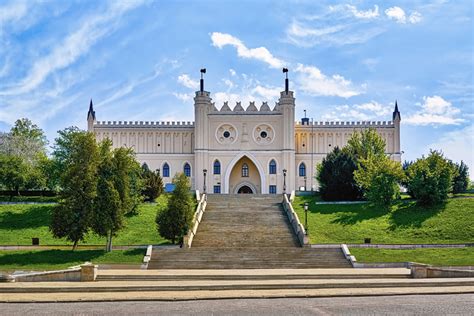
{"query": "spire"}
{"type": "Point", "coordinates": [396, 112]}
{"type": "Point", "coordinates": [91, 112]}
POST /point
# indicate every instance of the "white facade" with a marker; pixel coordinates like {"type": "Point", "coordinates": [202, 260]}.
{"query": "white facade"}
{"type": "Point", "coordinates": [253, 146]}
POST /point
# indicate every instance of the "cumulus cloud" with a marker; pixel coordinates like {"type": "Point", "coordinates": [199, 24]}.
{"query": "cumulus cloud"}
{"type": "Point", "coordinates": [185, 97]}
{"type": "Point", "coordinates": [399, 15]}
{"type": "Point", "coordinates": [267, 93]}
{"type": "Point", "coordinates": [220, 40]}
{"type": "Point", "coordinates": [186, 81]}
{"type": "Point", "coordinates": [360, 14]}
{"type": "Point", "coordinates": [359, 112]}
{"type": "Point", "coordinates": [312, 81]}
{"type": "Point", "coordinates": [435, 111]}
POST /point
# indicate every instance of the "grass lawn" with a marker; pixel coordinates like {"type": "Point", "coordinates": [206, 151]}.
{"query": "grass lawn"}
{"type": "Point", "coordinates": [61, 259]}
{"type": "Point", "coordinates": [19, 223]}
{"type": "Point", "coordinates": [43, 199]}
{"type": "Point", "coordinates": [405, 222]}
{"type": "Point", "coordinates": [437, 256]}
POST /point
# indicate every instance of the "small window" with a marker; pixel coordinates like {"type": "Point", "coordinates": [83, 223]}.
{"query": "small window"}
{"type": "Point", "coordinates": [217, 167]}
{"type": "Point", "coordinates": [245, 170]}
{"type": "Point", "coordinates": [226, 134]}
{"type": "Point", "coordinates": [217, 189]}
{"type": "Point", "coordinates": [272, 189]}
{"type": "Point", "coordinates": [166, 170]}
{"type": "Point", "coordinates": [302, 170]}
{"type": "Point", "coordinates": [263, 134]}
{"type": "Point", "coordinates": [272, 167]}
{"type": "Point", "coordinates": [187, 170]}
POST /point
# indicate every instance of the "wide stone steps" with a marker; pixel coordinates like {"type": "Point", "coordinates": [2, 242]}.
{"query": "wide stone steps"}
{"type": "Point", "coordinates": [247, 258]}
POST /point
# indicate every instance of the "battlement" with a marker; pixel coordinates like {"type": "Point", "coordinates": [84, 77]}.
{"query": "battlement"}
{"type": "Point", "coordinates": [350, 124]}
{"type": "Point", "coordinates": [251, 108]}
{"type": "Point", "coordinates": [152, 124]}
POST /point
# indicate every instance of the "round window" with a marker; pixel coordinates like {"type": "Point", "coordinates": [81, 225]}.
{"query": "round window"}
{"type": "Point", "coordinates": [226, 134]}
{"type": "Point", "coordinates": [263, 134]}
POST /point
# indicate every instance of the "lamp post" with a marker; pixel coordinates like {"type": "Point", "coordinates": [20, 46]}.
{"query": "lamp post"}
{"type": "Point", "coordinates": [284, 180]}
{"type": "Point", "coordinates": [204, 171]}
{"type": "Point", "coordinates": [306, 217]}
{"type": "Point", "coordinates": [305, 183]}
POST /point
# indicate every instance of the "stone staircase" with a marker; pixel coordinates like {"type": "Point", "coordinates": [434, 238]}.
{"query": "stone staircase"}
{"type": "Point", "coordinates": [246, 232]}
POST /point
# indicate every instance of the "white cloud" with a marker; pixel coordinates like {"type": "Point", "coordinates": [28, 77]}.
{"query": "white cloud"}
{"type": "Point", "coordinates": [186, 81]}
{"type": "Point", "coordinates": [312, 81]}
{"type": "Point", "coordinates": [220, 40]}
{"type": "Point", "coordinates": [232, 72]}
{"type": "Point", "coordinates": [267, 93]}
{"type": "Point", "coordinates": [360, 14]}
{"type": "Point", "coordinates": [458, 145]}
{"type": "Point", "coordinates": [399, 15]}
{"type": "Point", "coordinates": [185, 97]}
{"type": "Point", "coordinates": [71, 48]}
{"type": "Point", "coordinates": [12, 12]}
{"type": "Point", "coordinates": [228, 83]}
{"type": "Point", "coordinates": [369, 111]}
{"type": "Point", "coordinates": [435, 111]}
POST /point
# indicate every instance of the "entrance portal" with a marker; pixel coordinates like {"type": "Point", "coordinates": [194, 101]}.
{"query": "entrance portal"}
{"type": "Point", "coordinates": [245, 190]}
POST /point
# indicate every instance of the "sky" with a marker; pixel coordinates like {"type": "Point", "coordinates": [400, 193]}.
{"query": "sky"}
{"type": "Point", "coordinates": [140, 60]}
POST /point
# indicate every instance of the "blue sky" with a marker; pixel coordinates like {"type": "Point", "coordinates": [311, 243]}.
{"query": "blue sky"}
{"type": "Point", "coordinates": [140, 60]}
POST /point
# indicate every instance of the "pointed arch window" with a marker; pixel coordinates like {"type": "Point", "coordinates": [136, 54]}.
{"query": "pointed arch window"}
{"type": "Point", "coordinates": [245, 170]}
{"type": "Point", "coordinates": [217, 167]}
{"type": "Point", "coordinates": [272, 167]}
{"type": "Point", "coordinates": [166, 170]}
{"type": "Point", "coordinates": [302, 170]}
{"type": "Point", "coordinates": [187, 170]}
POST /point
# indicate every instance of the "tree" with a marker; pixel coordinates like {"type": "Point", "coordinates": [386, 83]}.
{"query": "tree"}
{"type": "Point", "coordinates": [77, 153]}
{"type": "Point", "coordinates": [152, 183]}
{"type": "Point", "coordinates": [430, 179]}
{"type": "Point", "coordinates": [365, 143]}
{"type": "Point", "coordinates": [379, 177]}
{"type": "Point", "coordinates": [336, 176]}
{"type": "Point", "coordinates": [108, 211]}
{"type": "Point", "coordinates": [13, 173]}
{"type": "Point", "coordinates": [461, 178]}
{"type": "Point", "coordinates": [174, 221]}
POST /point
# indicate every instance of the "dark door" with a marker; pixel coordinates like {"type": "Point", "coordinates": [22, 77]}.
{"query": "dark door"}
{"type": "Point", "coordinates": [245, 190]}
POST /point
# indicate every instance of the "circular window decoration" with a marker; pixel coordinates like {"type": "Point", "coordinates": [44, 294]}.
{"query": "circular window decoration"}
{"type": "Point", "coordinates": [263, 134]}
{"type": "Point", "coordinates": [226, 134]}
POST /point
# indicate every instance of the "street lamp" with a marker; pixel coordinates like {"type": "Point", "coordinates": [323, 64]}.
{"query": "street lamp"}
{"type": "Point", "coordinates": [204, 171]}
{"type": "Point", "coordinates": [305, 183]}
{"type": "Point", "coordinates": [306, 217]}
{"type": "Point", "coordinates": [284, 180]}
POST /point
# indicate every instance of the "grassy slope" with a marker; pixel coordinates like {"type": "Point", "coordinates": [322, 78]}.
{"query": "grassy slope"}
{"type": "Point", "coordinates": [19, 223]}
{"type": "Point", "coordinates": [61, 259]}
{"type": "Point", "coordinates": [406, 222]}
{"type": "Point", "coordinates": [443, 256]}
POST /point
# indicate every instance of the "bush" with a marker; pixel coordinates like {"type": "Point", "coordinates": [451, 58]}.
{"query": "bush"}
{"type": "Point", "coordinates": [461, 178]}
{"type": "Point", "coordinates": [152, 183]}
{"type": "Point", "coordinates": [174, 221]}
{"type": "Point", "coordinates": [336, 177]}
{"type": "Point", "coordinates": [430, 178]}
{"type": "Point", "coordinates": [379, 177]}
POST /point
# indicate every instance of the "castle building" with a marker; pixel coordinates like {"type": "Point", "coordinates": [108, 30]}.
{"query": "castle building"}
{"type": "Point", "coordinates": [253, 150]}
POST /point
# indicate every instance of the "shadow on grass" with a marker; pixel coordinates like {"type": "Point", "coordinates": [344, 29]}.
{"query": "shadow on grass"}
{"type": "Point", "coordinates": [410, 214]}
{"type": "Point", "coordinates": [32, 217]}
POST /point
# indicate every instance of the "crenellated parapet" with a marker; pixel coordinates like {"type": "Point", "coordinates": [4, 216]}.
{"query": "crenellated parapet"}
{"type": "Point", "coordinates": [145, 124]}
{"type": "Point", "coordinates": [349, 124]}
{"type": "Point", "coordinates": [250, 109]}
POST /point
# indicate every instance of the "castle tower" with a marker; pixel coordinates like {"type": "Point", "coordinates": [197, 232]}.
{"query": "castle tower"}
{"type": "Point", "coordinates": [396, 139]}
{"type": "Point", "coordinates": [202, 107]}
{"type": "Point", "coordinates": [91, 118]}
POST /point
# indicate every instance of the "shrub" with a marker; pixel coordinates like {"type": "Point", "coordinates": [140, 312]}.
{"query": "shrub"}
{"type": "Point", "coordinates": [336, 177]}
{"type": "Point", "coordinates": [461, 178]}
{"type": "Point", "coordinates": [152, 183]}
{"type": "Point", "coordinates": [174, 221]}
{"type": "Point", "coordinates": [430, 178]}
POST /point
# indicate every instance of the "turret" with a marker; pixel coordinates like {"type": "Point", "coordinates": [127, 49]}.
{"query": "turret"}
{"type": "Point", "coordinates": [91, 117]}
{"type": "Point", "coordinates": [396, 113]}
{"type": "Point", "coordinates": [396, 139]}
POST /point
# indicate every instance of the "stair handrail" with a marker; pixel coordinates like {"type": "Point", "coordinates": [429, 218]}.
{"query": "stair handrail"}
{"type": "Point", "coordinates": [200, 208]}
{"type": "Point", "coordinates": [298, 228]}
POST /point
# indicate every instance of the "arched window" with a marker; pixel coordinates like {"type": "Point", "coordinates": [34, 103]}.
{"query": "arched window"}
{"type": "Point", "coordinates": [166, 170]}
{"type": "Point", "coordinates": [302, 169]}
{"type": "Point", "coordinates": [272, 167]}
{"type": "Point", "coordinates": [245, 170]}
{"type": "Point", "coordinates": [187, 170]}
{"type": "Point", "coordinates": [217, 167]}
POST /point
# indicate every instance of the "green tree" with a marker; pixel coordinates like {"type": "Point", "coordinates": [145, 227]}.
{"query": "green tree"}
{"type": "Point", "coordinates": [430, 179]}
{"type": "Point", "coordinates": [13, 173]}
{"type": "Point", "coordinates": [174, 221]}
{"type": "Point", "coordinates": [379, 177]}
{"type": "Point", "coordinates": [364, 143]}
{"type": "Point", "coordinates": [336, 176]}
{"type": "Point", "coordinates": [461, 178]}
{"type": "Point", "coordinates": [77, 152]}
{"type": "Point", "coordinates": [152, 183]}
{"type": "Point", "coordinates": [108, 211]}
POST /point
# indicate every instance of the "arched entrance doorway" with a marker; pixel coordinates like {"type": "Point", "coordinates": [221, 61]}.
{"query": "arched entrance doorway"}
{"type": "Point", "coordinates": [244, 177]}
{"type": "Point", "coordinates": [244, 190]}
